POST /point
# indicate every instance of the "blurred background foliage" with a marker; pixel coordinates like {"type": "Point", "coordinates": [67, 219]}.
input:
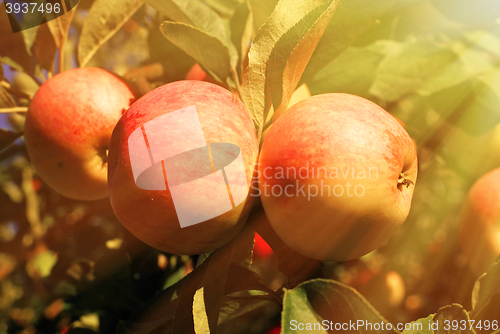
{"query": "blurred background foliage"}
{"type": "Point", "coordinates": [70, 267]}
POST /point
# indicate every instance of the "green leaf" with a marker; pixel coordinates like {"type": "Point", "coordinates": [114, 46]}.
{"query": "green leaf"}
{"type": "Point", "coordinates": [59, 27]}
{"type": "Point", "coordinates": [451, 313]}
{"type": "Point", "coordinates": [409, 67]}
{"type": "Point", "coordinates": [350, 21]}
{"type": "Point", "coordinates": [285, 16]}
{"type": "Point", "coordinates": [199, 313]}
{"type": "Point", "coordinates": [194, 13]}
{"type": "Point", "coordinates": [421, 326]}
{"type": "Point", "coordinates": [485, 288]}
{"type": "Point", "coordinates": [481, 113]}
{"type": "Point", "coordinates": [484, 40]}
{"type": "Point", "coordinates": [8, 61]}
{"type": "Point", "coordinates": [219, 266]}
{"type": "Point", "coordinates": [352, 72]}
{"type": "Point", "coordinates": [197, 14]}
{"type": "Point", "coordinates": [207, 50]}
{"type": "Point", "coordinates": [6, 100]}
{"type": "Point", "coordinates": [241, 32]}
{"type": "Point", "coordinates": [225, 7]}
{"type": "Point", "coordinates": [7, 138]}
{"type": "Point", "coordinates": [29, 36]}
{"type": "Point", "coordinates": [319, 300]}
{"type": "Point", "coordinates": [44, 49]}
{"type": "Point", "coordinates": [291, 54]}
{"type": "Point", "coordinates": [261, 10]}
{"type": "Point", "coordinates": [104, 19]}
{"type": "Point", "coordinates": [173, 307]}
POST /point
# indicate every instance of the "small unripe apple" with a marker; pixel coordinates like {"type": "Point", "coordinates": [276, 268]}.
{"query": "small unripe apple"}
{"type": "Point", "coordinates": [151, 214]}
{"type": "Point", "coordinates": [68, 128]}
{"type": "Point", "coordinates": [336, 176]}
{"type": "Point", "coordinates": [480, 223]}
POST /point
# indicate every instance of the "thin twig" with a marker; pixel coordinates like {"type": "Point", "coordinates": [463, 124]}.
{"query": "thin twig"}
{"type": "Point", "coordinates": [13, 110]}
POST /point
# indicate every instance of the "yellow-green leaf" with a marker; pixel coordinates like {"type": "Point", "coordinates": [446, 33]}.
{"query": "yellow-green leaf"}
{"type": "Point", "coordinates": [207, 50]}
{"type": "Point", "coordinates": [350, 21]}
{"type": "Point", "coordinates": [59, 27]}
{"type": "Point", "coordinates": [199, 313]}
{"type": "Point", "coordinates": [306, 35]}
{"type": "Point", "coordinates": [104, 19]}
{"type": "Point", "coordinates": [44, 49]}
{"type": "Point", "coordinates": [286, 15]}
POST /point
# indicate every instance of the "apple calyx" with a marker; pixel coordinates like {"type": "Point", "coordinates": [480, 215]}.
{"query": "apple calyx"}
{"type": "Point", "coordinates": [403, 181]}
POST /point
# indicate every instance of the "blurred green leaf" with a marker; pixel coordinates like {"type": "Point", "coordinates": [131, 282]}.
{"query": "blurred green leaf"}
{"type": "Point", "coordinates": [319, 299]}
{"type": "Point", "coordinates": [44, 49]}
{"type": "Point", "coordinates": [41, 264]}
{"type": "Point", "coordinates": [350, 21]}
{"type": "Point", "coordinates": [225, 7]}
{"type": "Point", "coordinates": [199, 313]}
{"type": "Point", "coordinates": [8, 61]}
{"type": "Point", "coordinates": [261, 10]}
{"type": "Point", "coordinates": [241, 32]}
{"type": "Point", "coordinates": [485, 288]}
{"type": "Point", "coordinates": [104, 19]}
{"type": "Point", "coordinates": [30, 37]}
{"type": "Point", "coordinates": [451, 313]}
{"type": "Point", "coordinates": [352, 72]}
{"type": "Point", "coordinates": [59, 27]}
{"type": "Point", "coordinates": [194, 13]}
{"type": "Point", "coordinates": [409, 67]}
{"type": "Point", "coordinates": [7, 137]}
{"type": "Point", "coordinates": [6, 100]}
{"type": "Point", "coordinates": [292, 52]}
{"type": "Point", "coordinates": [484, 40]}
{"type": "Point", "coordinates": [207, 50]}
{"type": "Point", "coordinates": [285, 16]}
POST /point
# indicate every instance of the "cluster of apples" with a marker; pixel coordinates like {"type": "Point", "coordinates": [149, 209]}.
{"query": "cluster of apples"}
{"type": "Point", "coordinates": [77, 131]}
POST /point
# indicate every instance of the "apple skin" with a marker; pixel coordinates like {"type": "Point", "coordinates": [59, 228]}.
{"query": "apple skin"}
{"type": "Point", "coordinates": [197, 73]}
{"type": "Point", "coordinates": [261, 248]}
{"type": "Point", "coordinates": [68, 129]}
{"type": "Point", "coordinates": [150, 215]}
{"type": "Point", "coordinates": [342, 131]}
{"type": "Point", "coordinates": [480, 223]}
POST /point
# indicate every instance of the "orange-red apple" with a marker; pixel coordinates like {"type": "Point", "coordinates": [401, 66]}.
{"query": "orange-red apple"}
{"type": "Point", "coordinates": [151, 215]}
{"type": "Point", "coordinates": [68, 128]}
{"type": "Point", "coordinates": [480, 223]}
{"type": "Point", "coordinates": [336, 176]}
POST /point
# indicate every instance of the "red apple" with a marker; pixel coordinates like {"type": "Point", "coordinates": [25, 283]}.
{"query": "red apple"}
{"type": "Point", "coordinates": [261, 249]}
{"type": "Point", "coordinates": [150, 214]}
{"type": "Point", "coordinates": [197, 73]}
{"type": "Point", "coordinates": [68, 128]}
{"type": "Point", "coordinates": [336, 176]}
{"type": "Point", "coordinates": [480, 223]}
